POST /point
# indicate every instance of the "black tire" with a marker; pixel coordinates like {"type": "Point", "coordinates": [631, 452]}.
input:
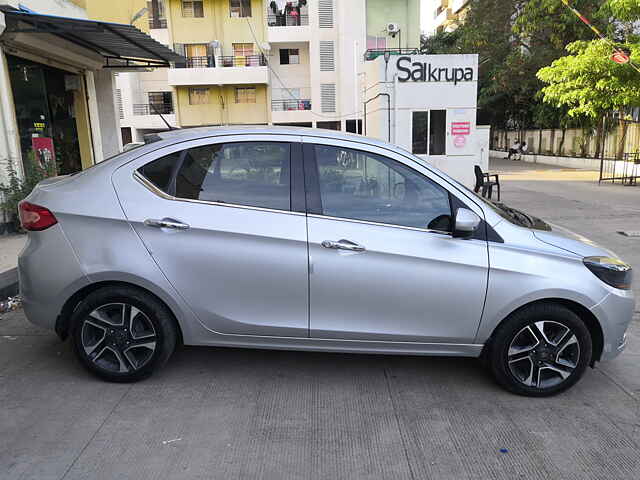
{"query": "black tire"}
{"type": "Point", "coordinates": [553, 363]}
{"type": "Point", "coordinates": [142, 345]}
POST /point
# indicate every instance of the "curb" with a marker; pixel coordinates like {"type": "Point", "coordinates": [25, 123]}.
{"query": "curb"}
{"type": "Point", "coordinates": [9, 283]}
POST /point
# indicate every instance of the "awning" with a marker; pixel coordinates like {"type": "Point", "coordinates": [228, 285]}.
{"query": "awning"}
{"type": "Point", "coordinates": [120, 45]}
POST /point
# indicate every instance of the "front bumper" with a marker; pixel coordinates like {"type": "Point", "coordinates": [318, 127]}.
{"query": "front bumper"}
{"type": "Point", "coordinates": [615, 313]}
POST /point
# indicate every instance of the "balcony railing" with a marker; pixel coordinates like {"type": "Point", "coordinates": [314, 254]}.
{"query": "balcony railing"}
{"type": "Point", "coordinates": [152, 109]}
{"type": "Point", "coordinates": [242, 61]}
{"type": "Point", "coordinates": [157, 23]}
{"type": "Point", "coordinates": [290, 105]}
{"type": "Point", "coordinates": [200, 62]}
{"type": "Point", "coordinates": [374, 53]}
{"type": "Point", "coordinates": [287, 20]}
{"type": "Point", "coordinates": [224, 61]}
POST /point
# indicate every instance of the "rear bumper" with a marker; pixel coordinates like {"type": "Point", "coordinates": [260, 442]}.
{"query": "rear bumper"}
{"type": "Point", "coordinates": [49, 273]}
{"type": "Point", "coordinates": [615, 313]}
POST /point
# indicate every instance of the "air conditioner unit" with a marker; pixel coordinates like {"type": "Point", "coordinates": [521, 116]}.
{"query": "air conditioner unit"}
{"type": "Point", "coordinates": [393, 28]}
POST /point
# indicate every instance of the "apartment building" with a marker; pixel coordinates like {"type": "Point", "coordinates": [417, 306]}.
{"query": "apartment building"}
{"type": "Point", "coordinates": [444, 15]}
{"type": "Point", "coordinates": [274, 62]}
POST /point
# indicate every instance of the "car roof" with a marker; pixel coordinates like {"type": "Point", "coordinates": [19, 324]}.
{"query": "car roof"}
{"type": "Point", "coordinates": [194, 133]}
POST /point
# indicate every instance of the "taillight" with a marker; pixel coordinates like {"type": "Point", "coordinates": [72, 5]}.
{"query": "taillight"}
{"type": "Point", "coordinates": [34, 217]}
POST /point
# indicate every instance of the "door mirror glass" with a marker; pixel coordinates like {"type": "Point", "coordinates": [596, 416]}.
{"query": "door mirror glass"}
{"type": "Point", "coordinates": [466, 223]}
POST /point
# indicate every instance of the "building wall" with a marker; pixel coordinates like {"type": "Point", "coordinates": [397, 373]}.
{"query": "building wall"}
{"type": "Point", "coordinates": [458, 100]}
{"type": "Point", "coordinates": [66, 8]}
{"type": "Point", "coordinates": [406, 13]}
{"type": "Point", "coordinates": [118, 11]}
{"type": "Point", "coordinates": [217, 24]}
{"type": "Point", "coordinates": [221, 108]}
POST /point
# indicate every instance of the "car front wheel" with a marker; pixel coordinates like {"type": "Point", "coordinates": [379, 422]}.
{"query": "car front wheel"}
{"type": "Point", "coordinates": [122, 334]}
{"type": "Point", "coordinates": [540, 350]}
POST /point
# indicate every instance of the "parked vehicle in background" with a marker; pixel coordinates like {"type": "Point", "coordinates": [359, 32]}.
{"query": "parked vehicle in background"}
{"type": "Point", "coordinates": [302, 239]}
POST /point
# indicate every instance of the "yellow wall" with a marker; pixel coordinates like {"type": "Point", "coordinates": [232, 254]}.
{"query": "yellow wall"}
{"type": "Point", "coordinates": [217, 24]}
{"type": "Point", "coordinates": [214, 113]}
{"type": "Point", "coordinates": [82, 126]}
{"type": "Point", "coordinates": [118, 11]}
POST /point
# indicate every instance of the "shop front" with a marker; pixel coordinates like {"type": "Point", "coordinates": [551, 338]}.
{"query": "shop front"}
{"type": "Point", "coordinates": [427, 104]}
{"type": "Point", "coordinates": [58, 109]}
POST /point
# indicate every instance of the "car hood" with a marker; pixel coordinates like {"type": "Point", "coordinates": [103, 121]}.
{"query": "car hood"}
{"type": "Point", "coordinates": [572, 242]}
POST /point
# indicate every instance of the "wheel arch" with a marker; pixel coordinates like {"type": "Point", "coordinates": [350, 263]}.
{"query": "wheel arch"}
{"type": "Point", "coordinates": [586, 315]}
{"type": "Point", "coordinates": [63, 320]}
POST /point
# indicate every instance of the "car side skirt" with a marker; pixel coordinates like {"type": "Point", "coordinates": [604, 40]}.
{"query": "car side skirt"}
{"type": "Point", "coordinates": [346, 346]}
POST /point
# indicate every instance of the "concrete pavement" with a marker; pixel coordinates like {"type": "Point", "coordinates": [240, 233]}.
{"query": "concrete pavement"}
{"type": "Point", "coordinates": [222, 413]}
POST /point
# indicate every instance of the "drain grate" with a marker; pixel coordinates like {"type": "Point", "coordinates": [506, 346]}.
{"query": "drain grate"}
{"type": "Point", "coordinates": [631, 233]}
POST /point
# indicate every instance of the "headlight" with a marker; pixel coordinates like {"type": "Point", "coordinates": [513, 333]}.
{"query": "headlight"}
{"type": "Point", "coordinates": [611, 271]}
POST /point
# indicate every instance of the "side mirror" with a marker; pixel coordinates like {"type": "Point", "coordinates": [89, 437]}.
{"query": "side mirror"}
{"type": "Point", "coordinates": [465, 223]}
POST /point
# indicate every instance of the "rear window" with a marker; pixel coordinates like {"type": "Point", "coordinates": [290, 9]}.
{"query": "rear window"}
{"type": "Point", "coordinates": [256, 174]}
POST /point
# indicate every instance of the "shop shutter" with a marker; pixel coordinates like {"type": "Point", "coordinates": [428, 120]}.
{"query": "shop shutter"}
{"type": "Point", "coordinates": [325, 13]}
{"type": "Point", "coordinates": [327, 56]}
{"type": "Point", "coordinates": [328, 97]}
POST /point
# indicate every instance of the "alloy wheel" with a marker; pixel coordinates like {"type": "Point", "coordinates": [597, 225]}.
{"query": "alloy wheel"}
{"type": "Point", "coordinates": [543, 354]}
{"type": "Point", "coordinates": [118, 337]}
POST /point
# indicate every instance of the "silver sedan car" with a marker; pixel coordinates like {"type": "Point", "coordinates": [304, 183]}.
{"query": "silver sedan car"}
{"type": "Point", "coordinates": [301, 239]}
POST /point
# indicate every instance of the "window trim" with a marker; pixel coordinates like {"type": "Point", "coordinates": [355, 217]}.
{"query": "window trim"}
{"type": "Point", "coordinates": [297, 204]}
{"type": "Point", "coordinates": [314, 197]}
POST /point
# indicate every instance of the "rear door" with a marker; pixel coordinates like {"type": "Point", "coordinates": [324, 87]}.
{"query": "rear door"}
{"type": "Point", "coordinates": [224, 220]}
{"type": "Point", "coordinates": [383, 263]}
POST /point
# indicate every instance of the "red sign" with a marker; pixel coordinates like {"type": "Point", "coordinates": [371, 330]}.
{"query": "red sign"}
{"type": "Point", "coordinates": [460, 128]}
{"type": "Point", "coordinates": [620, 57]}
{"type": "Point", "coordinates": [43, 148]}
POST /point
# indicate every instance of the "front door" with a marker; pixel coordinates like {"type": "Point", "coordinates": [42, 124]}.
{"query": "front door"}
{"type": "Point", "coordinates": [219, 221]}
{"type": "Point", "coordinates": [383, 264]}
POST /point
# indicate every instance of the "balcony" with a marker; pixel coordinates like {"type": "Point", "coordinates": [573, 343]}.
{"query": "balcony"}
{"type": "Point", "coordinates": [145, 116]}
{"type": "Point", "coordinates": [287, 20]}
{"type": "Point", "coordinates": [152, 108]}
{"type": "Point", "coordinates": [220, 70]}
{"type": "Point", "coordinates": [291, 105]}
{"type": "Point", "coordinates": [287, 27]}
{"type": "Point", "coordinates": [156, 23]}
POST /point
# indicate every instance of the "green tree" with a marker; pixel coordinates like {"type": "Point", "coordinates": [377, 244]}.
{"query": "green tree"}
{"type": "Point", "coordinates": [589, 84]}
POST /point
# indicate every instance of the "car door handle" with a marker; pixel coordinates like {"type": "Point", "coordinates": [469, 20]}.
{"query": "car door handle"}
{"type": "Point", "coordinates": [343, 245]}
{"type": "Point", "coordinates": [164, 223]}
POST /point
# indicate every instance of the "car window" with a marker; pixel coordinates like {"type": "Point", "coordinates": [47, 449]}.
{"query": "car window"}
{"type": "Point", "coordinates": [365, 186]}
{"type": "Point", "coordinates": [254, 174]}
{"type": "Point", "coordinates": [159, 171]}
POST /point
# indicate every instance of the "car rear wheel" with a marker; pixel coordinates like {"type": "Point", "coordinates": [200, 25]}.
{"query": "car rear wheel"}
{"type": "Point", "coordinates": [540, 350]}
{"type": "Point", "coordinates": [123, 334]}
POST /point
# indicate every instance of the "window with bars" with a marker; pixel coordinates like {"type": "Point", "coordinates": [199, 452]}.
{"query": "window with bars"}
{"type": "Point", "coordinates": [199, 96]}
{"type": "Point", "coordinates": [157, 19]}
{"type": "Point", "coordinates": [289, 56]}
{"type": "Point", "coordinates": [242, 49]}
{"type": "Point", "coordinates": [245, 94]}
{"type": "Point", "coordinates": [240, 8]}
{"type": "Point", "coordinates": [327, 56]}
{"type": "Point", "coordinates": [160, 99]}
{"type": "Point", "coordinates": [192, 8]}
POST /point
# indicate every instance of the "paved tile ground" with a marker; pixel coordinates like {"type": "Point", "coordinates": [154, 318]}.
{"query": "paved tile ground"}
{"type": "Point", "coordinates": [226, 414]}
